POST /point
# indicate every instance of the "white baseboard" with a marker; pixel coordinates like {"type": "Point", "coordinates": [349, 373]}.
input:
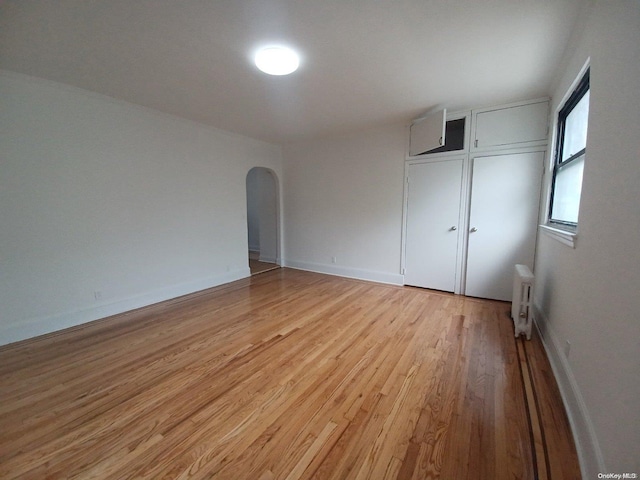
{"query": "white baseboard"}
{"type": "Point", "coordinates": [357, 273]}
{"type": "Point", "coordinates": [587, 446]}
{"type": "Point", "coordinates": [267, 259]}
{"type": "Point", "coordinates": [39, 326]}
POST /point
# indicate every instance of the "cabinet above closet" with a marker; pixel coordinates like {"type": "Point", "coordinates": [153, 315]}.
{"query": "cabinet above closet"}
{"type": "Point", "coordinates": [449, 133]}
{"type": "Point", "coordinates": [514, 125]}
{"type": "Point", "coordinates": [427, 133]}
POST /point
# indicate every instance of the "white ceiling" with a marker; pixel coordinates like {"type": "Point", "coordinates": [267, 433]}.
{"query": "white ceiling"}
{"type": "Point", "coordinates": [365, 62]}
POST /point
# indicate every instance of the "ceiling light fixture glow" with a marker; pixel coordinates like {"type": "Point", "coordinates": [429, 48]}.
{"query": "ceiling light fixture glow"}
{"type": "Point", "coordinates": [277, 60]}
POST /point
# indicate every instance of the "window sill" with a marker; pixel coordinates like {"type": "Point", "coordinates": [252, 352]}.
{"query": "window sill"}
{"type": "Point", "coordinates": [562, 236]}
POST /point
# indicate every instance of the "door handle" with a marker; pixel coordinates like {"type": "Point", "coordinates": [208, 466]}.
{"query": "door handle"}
{"type": "Point", "coordinates": [473, 229]}
{"type": "Point", "coordinates": [453, 229]}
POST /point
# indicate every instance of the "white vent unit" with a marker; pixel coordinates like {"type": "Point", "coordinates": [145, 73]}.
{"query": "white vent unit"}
{"type": "Point", "coordinates": [522, 305]}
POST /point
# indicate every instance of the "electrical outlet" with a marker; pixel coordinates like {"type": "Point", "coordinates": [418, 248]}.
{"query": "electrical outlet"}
{"type": "Point", "coordinates": [97, 295]}
{"type": "Point", "coordinates": [567, 348]}
{"type": "Point", "coordinates": [334, 259]}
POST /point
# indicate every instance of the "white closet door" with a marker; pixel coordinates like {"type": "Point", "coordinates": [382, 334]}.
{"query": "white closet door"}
{"type": "Point", "coordinates": [505, 194]}
{"type": "Point", "coordinates": [433, 210]}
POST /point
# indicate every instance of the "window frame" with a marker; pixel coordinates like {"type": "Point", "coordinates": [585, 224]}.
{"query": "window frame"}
{"type": "Point", "coordinates": [578, 93]}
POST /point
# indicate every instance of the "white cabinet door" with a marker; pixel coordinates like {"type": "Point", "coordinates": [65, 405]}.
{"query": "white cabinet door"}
{"type": "Point", "coordinates": [427, 133]}
{"type": "Point", "coordinates": [433, 210]}
{"type": "Point", "coordinates": [505, 194]}
{"type": "Point", "coordinates": [515, 126]}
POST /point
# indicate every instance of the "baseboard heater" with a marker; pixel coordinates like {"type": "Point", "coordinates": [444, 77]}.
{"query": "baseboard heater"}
{"type": "Point", "coordinates": [522, 304]}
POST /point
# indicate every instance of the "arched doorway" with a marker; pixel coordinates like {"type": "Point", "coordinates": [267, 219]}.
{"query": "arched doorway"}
{"type": "Point", "coordinates": [262, 219]}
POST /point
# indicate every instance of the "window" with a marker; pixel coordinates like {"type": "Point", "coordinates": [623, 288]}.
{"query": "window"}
{"type": "Point", "coordinates": [569, 158]}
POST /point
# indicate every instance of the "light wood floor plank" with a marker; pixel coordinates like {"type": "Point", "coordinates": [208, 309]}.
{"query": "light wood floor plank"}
{"type": "Point", "coordinates": [286, 375]}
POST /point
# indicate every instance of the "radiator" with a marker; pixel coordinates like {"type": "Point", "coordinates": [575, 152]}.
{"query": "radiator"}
{"type": "Point", "coordinates": [522, 304]}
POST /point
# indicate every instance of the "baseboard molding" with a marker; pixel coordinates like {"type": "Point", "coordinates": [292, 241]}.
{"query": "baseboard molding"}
{"type": "Point", "coordinates": [357, 273]}
{"type": "Point", "coordinates": [266, 259]}
{"type": "Point", "coordinates": [587, 446]}
{"type": "Point", "coordinates": [40, 326]}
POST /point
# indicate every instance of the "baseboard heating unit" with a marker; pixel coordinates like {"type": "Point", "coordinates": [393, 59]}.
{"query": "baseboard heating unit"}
{"type": "Point", "coordinates": [522, 304]}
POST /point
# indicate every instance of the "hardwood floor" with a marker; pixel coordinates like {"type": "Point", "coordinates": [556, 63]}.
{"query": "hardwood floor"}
{"type": "Point", "coordinates": [256, 266]}
{"type": "Point", "coordinates": [285, 375]}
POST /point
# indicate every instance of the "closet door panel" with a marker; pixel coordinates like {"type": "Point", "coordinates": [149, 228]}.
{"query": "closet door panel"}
{"type": "Point", "coordinates": [505, 196]}
{"type": "Point", "coordinates": [433, 210]}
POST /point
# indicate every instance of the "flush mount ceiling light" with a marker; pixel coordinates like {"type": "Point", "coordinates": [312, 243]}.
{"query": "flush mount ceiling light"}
{"type": "Point", "coordinates": [277, 60]}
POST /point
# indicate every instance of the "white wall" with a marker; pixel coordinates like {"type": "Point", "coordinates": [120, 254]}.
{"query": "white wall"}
{"type": "Point", "coordinates": [343, 199]}
{"type": "Point", "coordinates": [590, 295]}
{"type": "Point", "coordinates": [97, 195]}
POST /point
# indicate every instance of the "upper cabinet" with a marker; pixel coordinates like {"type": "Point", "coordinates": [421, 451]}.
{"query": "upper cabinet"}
{"type": "Point", "coordinates": [516, 125]}
{"type": "Point", "coordinates": [523, 124]}
{"type": "Point", "coordinates": [453, 131]}
{"type": "Point", "coordinates": [427, 133]}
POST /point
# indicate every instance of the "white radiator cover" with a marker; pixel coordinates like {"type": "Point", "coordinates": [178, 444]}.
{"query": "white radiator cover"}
{"type": "Point", "coordinates": [522, 303]}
